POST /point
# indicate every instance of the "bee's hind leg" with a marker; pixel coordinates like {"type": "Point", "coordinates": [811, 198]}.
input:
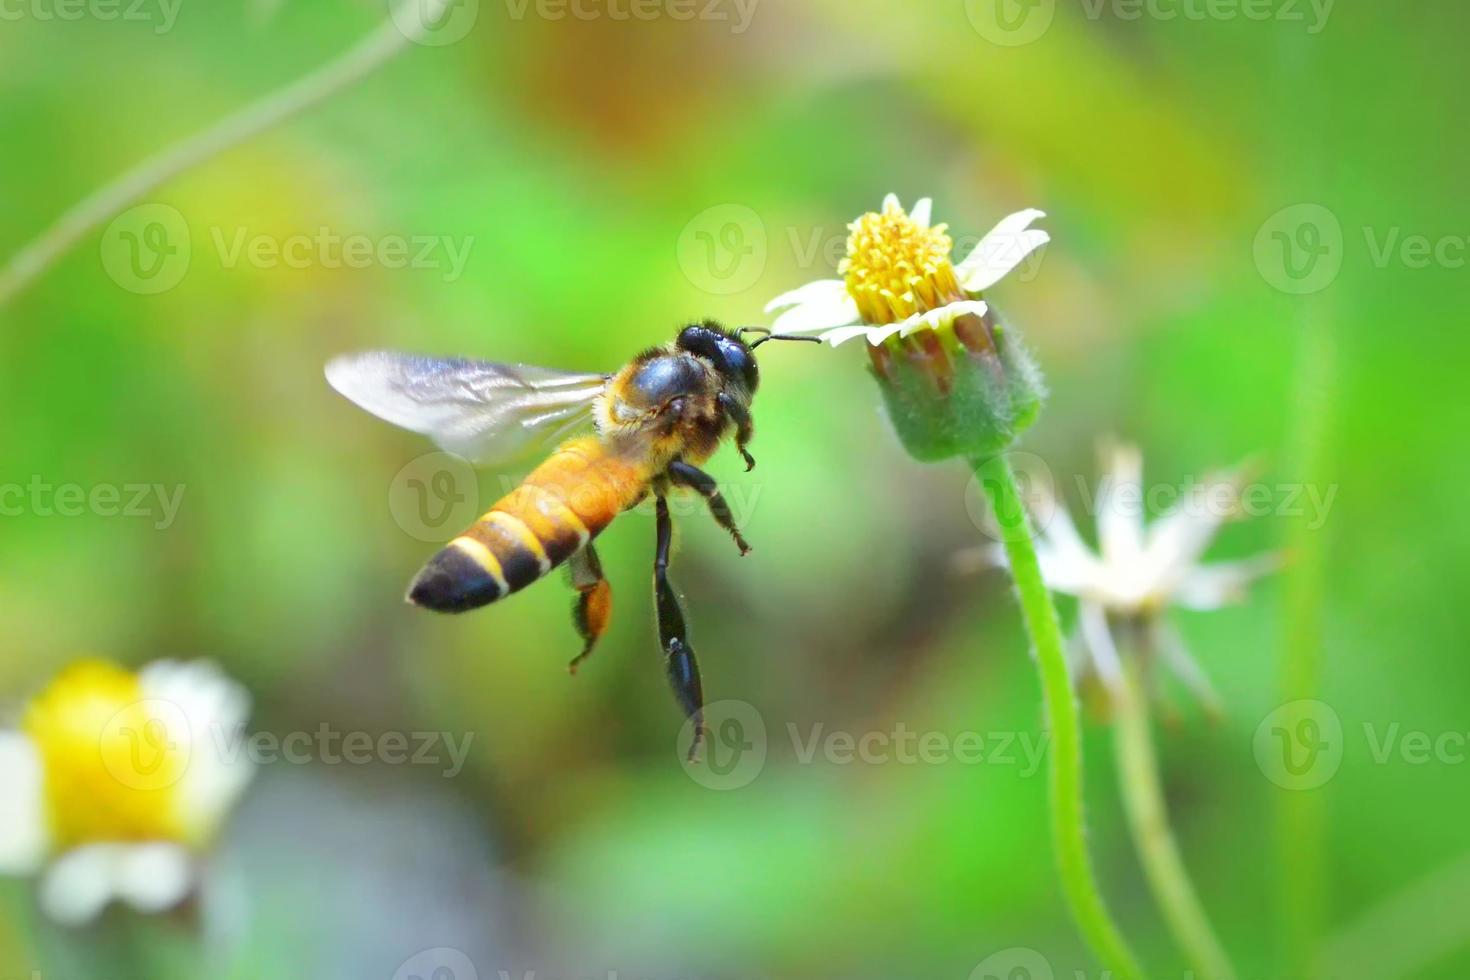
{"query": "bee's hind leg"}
{"type": "Point", "coordinates": [696, 479]}
{"type": "Point", "coordinates": [673, 636]}
{"type": "Point", "coordinates": [594, 600]}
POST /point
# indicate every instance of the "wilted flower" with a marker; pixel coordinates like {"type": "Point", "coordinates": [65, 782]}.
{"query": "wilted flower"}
{"type": "Point", "coordinates": [955, 381]}
{"type": "Point", "coordinates": [1124, 592]}
{"type": "Point", "coordinates": [117, 783]}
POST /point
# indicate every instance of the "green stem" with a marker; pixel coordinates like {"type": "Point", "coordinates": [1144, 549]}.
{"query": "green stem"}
{"type": "Point", "coordinates": [1143, 799]}
{"type": "Point", "coordinates": [1301, 817]}
{"type": "Point", "coordinates": [1069, 835]}
{"type": "Point", "coordinates": [1405, 935]}
{"type": "Point", "coordinates": [408, 26]}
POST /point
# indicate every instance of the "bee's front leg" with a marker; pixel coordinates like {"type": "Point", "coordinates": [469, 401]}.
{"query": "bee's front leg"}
{"type": "Point", "coordinates": [679, 660]}
{"type": "Point", "coordinates": [684, 475]}
{"type": "Point", "coordinates": [744, 426]}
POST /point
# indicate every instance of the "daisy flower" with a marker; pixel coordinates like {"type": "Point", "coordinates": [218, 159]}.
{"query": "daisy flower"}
{"type": "Point", "coordinates": [954, 380]}
{"type": "Point", "coordinates": [897, 277]}
{"type": "Point", "coordinates": [1127, 586]}
{"type": "Point", "coordinates": [116, 783]}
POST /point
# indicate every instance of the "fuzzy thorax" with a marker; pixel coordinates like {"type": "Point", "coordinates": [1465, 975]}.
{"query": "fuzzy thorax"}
{"type": "Point", "coordinates": [662, 406]}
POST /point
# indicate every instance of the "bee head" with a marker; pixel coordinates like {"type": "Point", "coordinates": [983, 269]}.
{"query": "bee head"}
{"type": "Point", "coordinates": [730, 355]}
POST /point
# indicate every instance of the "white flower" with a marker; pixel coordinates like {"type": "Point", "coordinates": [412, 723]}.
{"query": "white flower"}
{"type": "Point", "coordinates": [898, 278]}
{"type": "Point", "coordinates": [117, 782]}
{"type": "Point", "coordinates": [1142, 571]}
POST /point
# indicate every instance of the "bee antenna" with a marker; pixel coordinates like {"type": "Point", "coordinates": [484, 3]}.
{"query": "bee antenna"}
{"type": "Point", "coordinates": [768, 335]}
{"type": "Point", "coordinates": [784, 336]}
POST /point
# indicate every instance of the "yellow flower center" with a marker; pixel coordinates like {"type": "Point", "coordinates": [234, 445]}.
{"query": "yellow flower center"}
{"type": "Point", "coordinates": [895, 267]}
{"type": "Point", "coordinates": [110, 758]}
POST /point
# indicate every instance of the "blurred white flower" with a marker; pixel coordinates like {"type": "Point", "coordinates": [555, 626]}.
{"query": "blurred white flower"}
{"type": "Point", "coordinates": [1141, 571]}
{"type": "Point", "coordinates": [898, 278]}
{"type": "Point", "coordinates": [116, 784]}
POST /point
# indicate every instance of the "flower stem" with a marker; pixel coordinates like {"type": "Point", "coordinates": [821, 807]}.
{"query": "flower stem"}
{"type": "Point", "coordinates": [1069, 836]}
{"type": "Point", "coordinates": [1301, 817]}
{"type": "Point", "coordinates": [357, 63]}
{"type": "Point", "coordinates": [1143, 799]}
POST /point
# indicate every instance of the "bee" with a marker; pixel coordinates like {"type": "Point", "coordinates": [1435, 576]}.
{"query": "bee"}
{"type": "Point", "coordinates": [652, 424]}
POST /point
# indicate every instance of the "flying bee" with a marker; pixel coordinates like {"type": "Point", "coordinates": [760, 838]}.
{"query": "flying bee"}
{"type": "Point", "coordinates": [653, 423]}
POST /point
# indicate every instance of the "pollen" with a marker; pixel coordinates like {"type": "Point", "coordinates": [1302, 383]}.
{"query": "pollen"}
{"type": "Point", "coordinates": [895, 267]}
{"type": "Point", "coordinates": [111, 759]}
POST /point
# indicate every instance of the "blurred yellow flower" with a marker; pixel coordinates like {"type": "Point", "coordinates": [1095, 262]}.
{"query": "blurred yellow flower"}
{"type": "Point", "coordinates": [898, 277]}
{"type": "Point", "coordinates": [117, 781]}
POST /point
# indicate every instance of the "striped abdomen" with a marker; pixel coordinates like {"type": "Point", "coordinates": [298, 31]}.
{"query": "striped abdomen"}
{"type": "Point", "coordinates": [564, 503]}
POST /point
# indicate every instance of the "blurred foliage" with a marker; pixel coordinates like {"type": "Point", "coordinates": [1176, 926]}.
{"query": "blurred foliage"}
{"type": "Point", "coordinates": [572, 155]}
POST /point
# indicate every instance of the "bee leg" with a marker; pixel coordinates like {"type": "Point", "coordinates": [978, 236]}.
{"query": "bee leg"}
{"type": "Point", "coordinates": [684, 475]}
{"type": "Point", "coordinates": [673, 636]}
{"type": "Point", "coordinates": [594, 600]}
{"type": "Point", "coordinates": [744, 426]}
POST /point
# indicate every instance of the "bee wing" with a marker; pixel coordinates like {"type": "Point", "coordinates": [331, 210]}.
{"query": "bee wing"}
{"type": "Point", "coordinates": [486, 412]}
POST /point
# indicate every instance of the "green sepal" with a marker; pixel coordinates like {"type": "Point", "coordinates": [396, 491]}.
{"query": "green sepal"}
{"type": "Point", "coordinates": [949, 396]}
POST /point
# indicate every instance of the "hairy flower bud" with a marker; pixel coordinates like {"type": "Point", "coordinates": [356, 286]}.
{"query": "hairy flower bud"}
{"type": "Point", "coordinates": [965, 387]}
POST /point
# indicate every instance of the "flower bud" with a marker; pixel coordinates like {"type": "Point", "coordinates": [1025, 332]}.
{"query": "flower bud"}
{"type": "Point", "coordinates": [966, 387]}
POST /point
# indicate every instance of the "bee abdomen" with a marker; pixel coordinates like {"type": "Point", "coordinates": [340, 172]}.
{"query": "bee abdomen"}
{"type": "Point", "coordinates": [460, 577]}
{"type": "Point", "coordinates": [530, 531]}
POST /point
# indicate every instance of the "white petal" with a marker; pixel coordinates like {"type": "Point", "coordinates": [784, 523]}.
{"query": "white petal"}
{"type": "Point", "coordinates": [1067, 564]}
{"type": "Point", "coordinates": [1181, 534]}
{"type": "Point", "coordinates": [1078, 658]}
{"type": "Point", "coordinates": [922, 208]}
{"type": "Point", "coordinates": [1206, 587]}
{"type": "Point", "coordinates": [899, 328]}
{"type": "Point", "coordinates": [150, 876]}
{"type": "Point", "coordinates": [933, 319]}
{"type": "Point", "coordinates": [909, 325]}
{"type": "Point", "coordinates": [818, 315]}
{"type": "Point", "coordinates": [23, 835]}
{"type": "Point", "coordinates": [891, 200]}
{"type": "Point", "coordinates": [978, 558]}
{"type": "Point", "coordinates": [1099, 636]}
{"type": "Point", "coordinates": [1060, 570]}
{"type": "Point", "coordinates": [1006, 246]}
{"type": "Point", "coordinates": [79, 884]}
{"type": "Point", "coordinates": [1070, 566]}
{"type": "Point", "coordinates": [1066, 572]}
{"type": "Point", "coordinates": [1120, 513]}
{"type": "Point", "coordinates": [154, 877]}
{"type": "Point", "coordinates": [1176, 655]}
{"type": "Point", "coordinates": [843, 334]}
{"type": "Point", "coordinates": [212, 711]}
{"type": "Point", "coordinates": [819, 289]}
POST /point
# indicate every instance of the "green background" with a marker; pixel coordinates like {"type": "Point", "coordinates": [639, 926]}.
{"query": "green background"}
{"type": "Point", "coordinates": [578, 159]}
